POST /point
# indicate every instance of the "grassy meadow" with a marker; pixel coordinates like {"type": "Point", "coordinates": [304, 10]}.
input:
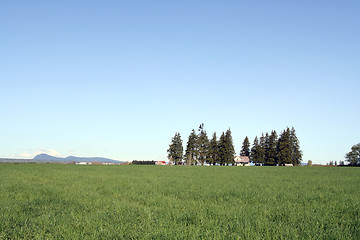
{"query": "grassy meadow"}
{"type": "Point", "coordinates": [47, 201]}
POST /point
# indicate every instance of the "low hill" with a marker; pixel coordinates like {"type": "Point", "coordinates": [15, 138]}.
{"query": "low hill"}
{"type": "Point", "coordinates": [46, 157]}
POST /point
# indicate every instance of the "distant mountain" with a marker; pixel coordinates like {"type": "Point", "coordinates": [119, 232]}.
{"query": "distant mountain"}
{"type": "Point", "coordinates": [46, 157]}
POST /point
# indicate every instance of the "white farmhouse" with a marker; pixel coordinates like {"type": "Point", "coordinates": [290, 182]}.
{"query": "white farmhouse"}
{"type": "Point", "coordinates": [242, 161]}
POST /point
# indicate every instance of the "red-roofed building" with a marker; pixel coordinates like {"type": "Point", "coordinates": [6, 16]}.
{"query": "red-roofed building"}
{"type": "Point", "coordinates": [160, 163]}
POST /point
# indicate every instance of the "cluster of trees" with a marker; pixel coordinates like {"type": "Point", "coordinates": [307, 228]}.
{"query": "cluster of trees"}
{"type": "Point", "coordinates": [332, 163]}
{"type": "Point", "coordinates": [353, 157]}
{"type": "Point", "coordinates": [269, 150]}
{"type": "Point", "coordinates": [200, 150]}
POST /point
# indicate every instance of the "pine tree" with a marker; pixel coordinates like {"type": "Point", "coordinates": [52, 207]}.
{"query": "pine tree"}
{"type": "Point", "coordinates": [213, 156]}
{"type": "Point", "coordinates": [245, 150]}
{"type": "Point", "coordinates": [296, 154]}
{"type": "Point", "coordinates": [255, 151]}
{"type": "Point", "coordinates": [266, 148]}
{"type": "Point", "coordinates": [284, 148]}
{"type": "Point", "coordinates": [203, 145]}
{"type": "Point", "coordinates": [175, 151]}
{"type": "Point", "coordinates": [271, 151]}
{"type": "Point", "coordinates": [222, 149]}
{"type": "Point", "coordinates": [262, 148]}
{"type": "Point", "coordinates": [230, 151]}
{"type": "Point", "coordinates": [191, 153]}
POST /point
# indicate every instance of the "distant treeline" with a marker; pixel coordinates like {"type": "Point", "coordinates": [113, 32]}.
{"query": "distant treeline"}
{"type": "Point", "coordinates": [269, 149]}
{"type": "Point", "coordinates": [136, 162]}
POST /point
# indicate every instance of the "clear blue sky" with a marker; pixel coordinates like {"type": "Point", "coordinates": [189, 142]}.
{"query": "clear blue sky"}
{"type": "Point", "coordinates": [117, 79]}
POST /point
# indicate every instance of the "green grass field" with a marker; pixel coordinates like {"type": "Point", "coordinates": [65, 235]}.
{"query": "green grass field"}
{"type": "Point", "coordinates": [46, 201]}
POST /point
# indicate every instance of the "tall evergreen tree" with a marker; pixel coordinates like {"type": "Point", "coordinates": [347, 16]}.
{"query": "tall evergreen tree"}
{"type": "Point", "coordinates": [203, 145]}
{"type": "Point", "coordinates": [296, 154]}
{"type": "Point", "coordinates": [284, 148]}
{"type": "Point", "coordinates": [245, 150]}
{"type": "Point", "coordinates": [222, 150]}
{"type": "Point", "coordinates": [191, 153]}
{"type": "Point", "coordinates": [230, 151]}
{"type": "Point", "coordinates": [255, 152]}
{"type": "Point", "coordinates": [213, 156]}
{"type": "Point", "coordinates": [266, 148]}
{"type": "Point", "coordinates": [175, 151]}
{"type": "Point", "coordinates": [271, 149]}
{"type": "Point", "coordinates": [262, 148]}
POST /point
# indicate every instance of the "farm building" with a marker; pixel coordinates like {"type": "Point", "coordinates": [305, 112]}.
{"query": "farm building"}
{"type": "Point", "coordinates": [242, 161]}
{"type": "Point", "coordinates": [82, 163]}
{"type": "Point", "coordinates": [160, 163]}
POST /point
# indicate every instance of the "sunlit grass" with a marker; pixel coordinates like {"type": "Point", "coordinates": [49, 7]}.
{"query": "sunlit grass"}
{"type": "Point", "coordinates": [39, 201]}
